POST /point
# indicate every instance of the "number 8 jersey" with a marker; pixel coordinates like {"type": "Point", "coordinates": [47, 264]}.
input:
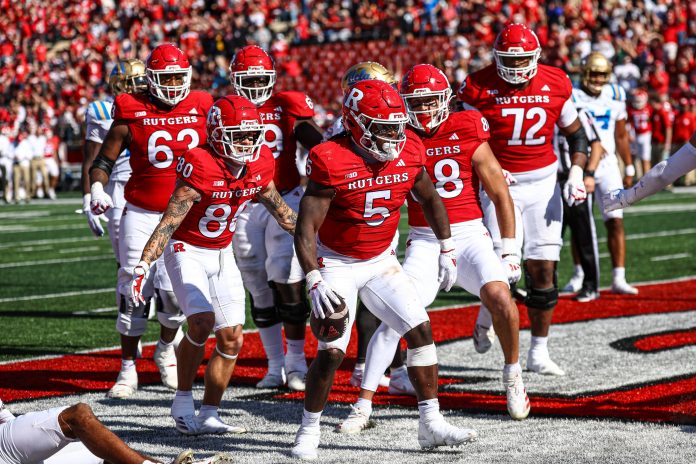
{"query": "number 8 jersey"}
{"type": "Point", "coordinates": [448, 162]}
{"type": "Point", "coordinates": [159, 136]}
{"type": "Point", "coordinates": [522, 119]}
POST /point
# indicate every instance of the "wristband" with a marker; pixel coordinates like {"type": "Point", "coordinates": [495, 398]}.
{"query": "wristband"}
{"type": "Point", "coordinates": [86, 200]}
{"type": "Point", "coordinates": [630, 170]}
{"type": "Point", "coordinates": [97, 187]}
{"type": "Point", "coordinates": [144, 265]}
{"type": "Point", "coordinates": [509, 247]}
{"type": "Point", "coordinates": [446, 245]}
{"type": "Point", "coordinates": [589, 173]}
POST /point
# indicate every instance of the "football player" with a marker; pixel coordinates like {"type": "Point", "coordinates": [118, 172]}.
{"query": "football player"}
{"type": "Point", "coordinates": [607, 105]}
{"type": "Point", "coordinates": [263, 250]}
{"type": "Point", "coordinates": [458, 159]}
{"type": "Point", "coordinates": [71, 435]}
{"type": "Point", "coordinates": [157, 127]}
{"type": "Point", "coordinates": [640, 119]}
{"type": "Point", "coordinates": [660, 176]}
{"type": "Point", "coordinates": [344, 240]}
{"type": "Point", "coordinates": [215, 182]}
{"type": "Point", "coordinates": [523, 100]}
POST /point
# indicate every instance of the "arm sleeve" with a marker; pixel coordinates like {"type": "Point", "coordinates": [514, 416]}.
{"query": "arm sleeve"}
{"type": "Point", "coordinates": [466, 92]}
{"type": "Point", "coordinates": [299, 105]}
{"type": "Point", "coordinates": [195, 175]}
{"type": "Point", "coordinates": [317, 170]}
{"type": "Point", "coordinates": [96, 128]}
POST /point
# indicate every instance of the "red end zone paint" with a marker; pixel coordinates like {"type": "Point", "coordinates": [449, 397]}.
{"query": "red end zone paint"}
{"type": "Point", "coordinates": [672, 400]}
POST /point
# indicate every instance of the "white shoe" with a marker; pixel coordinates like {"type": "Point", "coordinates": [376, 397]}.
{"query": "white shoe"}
{"type": "Point", "coordinates": [623, 288]}
{"type": "Point", "coordinates": [296, 381]}
{"type": "Point", "coordinates": [272, 380]}
{"type": "Point", "coordinates": [357, 376]}
{"type": "Point", "coordinates": [52, 194]}
{"type": "Point", "coordinates": [165, 359]}
{"type": "Point", "coordinates": [517, 399]}
{"type": "Point", "coordinates": [440, 433]}
{"type": "Point", "coordinates": [483, 338]}
{"type": "Point", "coordinates": [306, 444]}
{"type": "Point", "coordinates": [186, 457]}
{"type": "Point", "coordinates": [126, 384]}
{"type": "Point", "coordinates": [574, 284]}
{"type": "Point", "coordinates": [357, 421]}
{"type": "Point", "coordinates": [400, 383]}
{"type": "Point", "coordinates": [188, 425]}
{"type": "Point", "coordinates": [543, 365]}
{"type": "Point", "coordinates": [213, 424]}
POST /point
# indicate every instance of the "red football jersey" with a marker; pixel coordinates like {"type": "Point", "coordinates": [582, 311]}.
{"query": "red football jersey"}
{"type": "Point", "coordinates": [662, 119]}
{"type": "Point", "coordinates": [279, 113]}
{"type": "Point", "coordinates": [448, 162]}
{"type": "Point", "coordinates": [364, 214]}
{"type": "Point", "coordinates": [641, 120]}
{"type": "Point", "coordinates": [211, 222]}
{"type": "Point", "coordinates": [159, 137]}
{"type": "Point", "coordinates": [522, 120]}
{"type": "Point", "coordinates": [684, 123]}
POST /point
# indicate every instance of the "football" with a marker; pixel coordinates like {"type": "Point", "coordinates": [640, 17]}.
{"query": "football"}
{"type": "Point", "coordinates": [333, 326]}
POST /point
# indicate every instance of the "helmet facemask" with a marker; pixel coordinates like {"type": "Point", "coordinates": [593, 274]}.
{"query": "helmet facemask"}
{"type": "Point", "coordinates": [167, 93]}
{"type": "Point", "coordinates": [512, 74]}
{"type": "Point", "coordinates": [427, 109]}
{"type": "Point", "coordinates": [257, 94]}
{"type": "Point", "coordinates": [384, 139]}
{"type": "Point", "coordinates": [241, 144]}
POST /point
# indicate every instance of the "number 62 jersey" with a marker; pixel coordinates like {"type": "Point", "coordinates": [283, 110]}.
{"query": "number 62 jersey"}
{"type": "Point", "coordinates": [522, 119]}
{"type": "Point", "coordinates": [159, 136]}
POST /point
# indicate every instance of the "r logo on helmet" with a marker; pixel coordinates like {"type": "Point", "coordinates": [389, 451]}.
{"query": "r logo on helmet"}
{"type": "Point", "coordinates": [353, 98]}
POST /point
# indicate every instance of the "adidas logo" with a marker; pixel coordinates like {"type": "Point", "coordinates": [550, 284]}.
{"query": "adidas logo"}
{"type": "Point", "coordinates": [279, 109]}
{"type": "Point", "coordinates": [193, 111]}
{"type": "Point", "coordinates": [546, 88]}
{"type": "Point", "coordinates": [400, 163]}
{"type": "Point", "coordinates": [454, 136]}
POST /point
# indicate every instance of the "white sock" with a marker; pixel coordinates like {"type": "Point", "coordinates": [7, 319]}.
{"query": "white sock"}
{"type": "Point", "coordinates": [310, 419]}
{"type": "Point", "coordinates": [127, 365]}
{"type": "Point", "coordinates": [295, 355]}
{"type": "Point", "coordinates": [511, 369]}
{"type": "Point", "coordinates": [619, 274]}
{"type": "Point", "coordinates": [183, 404]}
{"type": "Point", "coordinates": [208, 411]}
{"type": "Point", "coordinates": [578, 271]}
{"type": "Point", "coordinates": [164, 345]}
{"type": "Point", "coordinates": [429, 409]}
{"type": "Point", "coordinates": [364, 405]}
{"type": "Point", "coordinates": [272, 339]}
{"type": "Point", "coordinates": [484, 318]}
{"type": "Point", "coordinates": [539, 346]}
{"type": "Point", "coordinates": [359, 367]}
{"type": "Point", "coordinates": [398, 370]}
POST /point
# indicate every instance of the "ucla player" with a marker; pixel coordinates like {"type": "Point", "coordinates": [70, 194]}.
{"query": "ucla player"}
{"type": "Point", "coordinates": [607, 105]}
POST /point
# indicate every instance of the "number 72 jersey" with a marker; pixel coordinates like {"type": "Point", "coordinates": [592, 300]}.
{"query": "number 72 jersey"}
{"type": "Point", "coordinates": [159, 136]}
{"type": "Point", "coordinates": [522, 120]}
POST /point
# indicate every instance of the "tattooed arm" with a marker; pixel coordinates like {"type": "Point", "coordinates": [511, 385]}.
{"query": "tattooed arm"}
{"type": "Point", "coordinates": [274, 203]}
{"type": "Point", "coordinates": [179, 205]}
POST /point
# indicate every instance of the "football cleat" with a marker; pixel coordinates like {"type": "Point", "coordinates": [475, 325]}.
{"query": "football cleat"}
{"type": "Point", "coordinates": [214, 425]}
{"type": "Point", "coordinates": [400, 383]}
{"type": "Point", "coordinates": [439, 432]}
{"type": "Point", "coordinates": [483, 338]}
{"type": "Point", "coordinates": [623, 288]}
{"type": "Point", "coordinates": [296, 381]}
{"type": "Point", "coordinates": [586, 295]}
{"type": "Point", "coordinates": [357, 421]}
{"type": "Point", "coordinates": [165, 359]}
{"type": "Point", "coordinates": [517, 399]}
{"type": "Point", "coordinates": [542, 364]}
{"type": "Point", "coordinates": [574, 284]}
{"type": "Point", "coordinates": [187, 457]}
{"type": "Point", "coordinates": [188, 425]}
{"type": "Point", "coordinates": [272, 380]}
{"type": "Point", "coordinates": [306, 446]}
{"type": "Point", "coordinates": [126, 384]}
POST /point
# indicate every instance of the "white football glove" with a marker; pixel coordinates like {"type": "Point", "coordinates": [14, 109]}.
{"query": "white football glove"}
{"type": "Point", "coordinates": [136, 286]}
{"type": "Point", "coordinates": [321, 295]}
{"type": "Point", "coordinates": [616, 199]}
{"type": "Point", "coordinates": [509, 178]}
{"type": "Point", "coordinates": [101, 201]}
{"type": "Point", "coordinates": [93, 220]}
{"type": "Point", "coordinates": [447, 273]}
{"type": "Point", "coordinates": [510, 257]}
{"type": "Point", "coordinates": [574, 189]}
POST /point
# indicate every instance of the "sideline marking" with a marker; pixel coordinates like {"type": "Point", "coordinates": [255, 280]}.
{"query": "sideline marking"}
{"type": "Point", "coordinates": [56, 295]}
{"type": "Point", "coordinates": [55, 261]}
{"type": "Point", "coordinates": [668, 257]}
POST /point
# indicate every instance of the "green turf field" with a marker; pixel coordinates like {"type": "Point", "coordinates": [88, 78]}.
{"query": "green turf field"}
{"type": "Point", "coordinates": [57, 285]}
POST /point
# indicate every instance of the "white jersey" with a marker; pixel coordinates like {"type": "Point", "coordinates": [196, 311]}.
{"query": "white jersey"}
{"type": "Point", "coordinates": [606, 109]}
{"type": "Point", "coordinates": [335, 129]}
{"type": "Point", "coordinates": [98, 119]}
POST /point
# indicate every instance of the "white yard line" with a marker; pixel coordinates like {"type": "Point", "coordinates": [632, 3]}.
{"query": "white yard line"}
{"type": "Point", "coordinates": [668, 257]}
{"type": "Point", "coordinates": [661, 233]}
{"type": "Point", "coordinates": [49, 241]}
{"type": "Point", "coordinates": [56, 295]}
{"type": "Point", "coordinates": [24, 214]}
{"type": "Point", "coordinates": [94, 311]}
{"type": "Point", "coordinates": [55, 261]}
{"type": "Point", "coordinates": [18, 228]}
{"type": "Point", "coordinates": [79, 250]}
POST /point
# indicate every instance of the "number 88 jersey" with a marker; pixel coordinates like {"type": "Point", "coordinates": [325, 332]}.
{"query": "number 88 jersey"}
{"type": "Point", "coordinates": [448, 162]}
{"type": "Point", "coordinates": [159, 136]}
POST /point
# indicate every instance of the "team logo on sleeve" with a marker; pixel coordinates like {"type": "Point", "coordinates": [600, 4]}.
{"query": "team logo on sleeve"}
{"type": "Point", "coordinates": [484, 123]}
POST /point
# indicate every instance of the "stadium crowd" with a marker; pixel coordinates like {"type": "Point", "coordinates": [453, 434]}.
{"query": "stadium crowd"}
{"type": "Point", "coordinates": [55, 57]}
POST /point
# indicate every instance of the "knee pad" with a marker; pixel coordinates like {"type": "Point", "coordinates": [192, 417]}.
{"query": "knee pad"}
{"type": "Point", "coordinates": [421, 356]}
{"type": "Point", "coordinates": [264, 317]}
{"type": "Point", "coordinates": [542, 298]}
{"type": "Point", "coordinates": [296, 313]}
{"type": "Point", "coordinates": [168, 313]}
{"type": "Point", "coordinates": [132, 319]}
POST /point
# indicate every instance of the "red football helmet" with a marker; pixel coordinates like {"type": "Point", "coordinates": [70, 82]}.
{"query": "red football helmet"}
{"type": "Point", "coordinates": [639, 99]}
{"type": "Point", "coordinates": [426, 93]}
{"type": "Point", "coordinates": [252, 74]}
{"type": "Point", "coordinates": [375, 116]}
{"type": "Point", "coordinates": [235, 130]}
{"type": "Point", "coordinates": [516, 42]}
{"type": "Point", "coordinates": [168, 74]}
